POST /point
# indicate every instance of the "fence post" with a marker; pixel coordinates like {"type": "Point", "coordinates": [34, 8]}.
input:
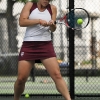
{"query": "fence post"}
{"type": "Point", "coordinates": [71, 55]}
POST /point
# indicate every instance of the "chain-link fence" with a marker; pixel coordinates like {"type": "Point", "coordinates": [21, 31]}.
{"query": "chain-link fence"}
{"type": "Point", "coordinates": [86, 44]}
{"type": "Point", "coordinates": [87, 51]}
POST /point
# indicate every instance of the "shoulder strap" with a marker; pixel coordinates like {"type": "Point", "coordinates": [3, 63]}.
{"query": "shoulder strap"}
{"type": "Point", "coordinates": [33, 7]}
{"type": "Point", "coordinates": [49, 9]}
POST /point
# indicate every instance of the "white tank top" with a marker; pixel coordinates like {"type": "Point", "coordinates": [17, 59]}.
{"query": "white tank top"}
{"type": "Point", "coordinates": [38, 32]}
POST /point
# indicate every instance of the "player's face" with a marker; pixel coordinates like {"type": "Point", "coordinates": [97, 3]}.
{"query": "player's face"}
{"type": "Point", "coordinates": [44, 3]}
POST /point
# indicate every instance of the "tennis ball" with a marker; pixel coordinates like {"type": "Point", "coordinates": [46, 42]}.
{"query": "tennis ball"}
{"type": "Point", "coordinates": [27, 96]}
{"type": "Point", "coordinates": [79, 21]}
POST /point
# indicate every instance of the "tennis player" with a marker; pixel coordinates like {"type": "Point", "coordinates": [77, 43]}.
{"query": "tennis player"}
{"type": "Point", "coordinates": [37, 45]}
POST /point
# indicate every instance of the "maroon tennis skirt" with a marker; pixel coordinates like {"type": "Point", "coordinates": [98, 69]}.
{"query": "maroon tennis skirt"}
{"type": "Point", "coordinates": [36, 50]}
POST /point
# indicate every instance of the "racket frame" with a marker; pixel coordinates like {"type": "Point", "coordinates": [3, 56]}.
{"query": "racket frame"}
{"type": "Point", "coordinates": [63, 20]}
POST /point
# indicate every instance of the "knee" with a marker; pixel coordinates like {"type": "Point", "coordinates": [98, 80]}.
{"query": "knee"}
{"type": "Point", "coordinates": [21, 80]}
{"type": "Point", "coordinates": [57, 75]}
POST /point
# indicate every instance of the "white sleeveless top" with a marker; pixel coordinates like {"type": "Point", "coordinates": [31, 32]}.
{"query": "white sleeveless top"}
{"type": "Point", "coordinates": [38, 32]}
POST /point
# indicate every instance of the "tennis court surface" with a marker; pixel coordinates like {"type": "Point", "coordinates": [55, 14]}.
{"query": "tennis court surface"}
{"type": "Point", "coordinates": [38, 87]}
{"type": "Point", "coordinates": [50, 98]}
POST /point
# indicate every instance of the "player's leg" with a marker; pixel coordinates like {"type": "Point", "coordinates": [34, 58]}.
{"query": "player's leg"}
{"type": "Point", "coordinates": [53, 69]}
{"type": "Point", "coordinates": [24, 68]}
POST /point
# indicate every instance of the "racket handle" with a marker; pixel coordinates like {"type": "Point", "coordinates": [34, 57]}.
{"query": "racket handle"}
{"type": "Point", "coordinates": [55, 22]}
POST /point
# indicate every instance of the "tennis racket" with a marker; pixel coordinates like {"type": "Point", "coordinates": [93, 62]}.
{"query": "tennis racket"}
{"type": "Point", "coordinates": [76, 19]}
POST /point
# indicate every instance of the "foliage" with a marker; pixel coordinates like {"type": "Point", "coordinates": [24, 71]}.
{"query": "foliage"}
{"type": "Point", "coordinates": [24, 0]}
{"type": "Point", "coordinates": [27, 0]}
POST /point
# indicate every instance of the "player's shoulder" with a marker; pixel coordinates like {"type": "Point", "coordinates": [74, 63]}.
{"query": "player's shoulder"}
{"type": "Point", "coordinates": [29, 3]}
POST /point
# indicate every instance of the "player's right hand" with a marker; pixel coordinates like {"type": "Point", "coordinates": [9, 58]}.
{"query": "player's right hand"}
{"type": "Point", "coordinates": [43, 22]}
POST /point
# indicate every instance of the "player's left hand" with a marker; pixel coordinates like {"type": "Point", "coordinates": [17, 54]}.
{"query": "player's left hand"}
{"type": "Point", "coordinates": [51, 23]}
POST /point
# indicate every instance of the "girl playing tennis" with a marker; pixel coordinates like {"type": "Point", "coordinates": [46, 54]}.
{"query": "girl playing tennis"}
{"type": "Point", "coordinates": [37, 45]}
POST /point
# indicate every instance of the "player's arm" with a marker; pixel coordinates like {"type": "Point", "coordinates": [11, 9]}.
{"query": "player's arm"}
{"type": "Point", "coordinates": [54, 14]}
{"type": "Point", "coordinates": [23, 20]}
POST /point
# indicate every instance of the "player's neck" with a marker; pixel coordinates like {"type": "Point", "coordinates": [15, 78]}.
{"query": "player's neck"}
{"type": "Point", "coordinates": [40, 7]}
